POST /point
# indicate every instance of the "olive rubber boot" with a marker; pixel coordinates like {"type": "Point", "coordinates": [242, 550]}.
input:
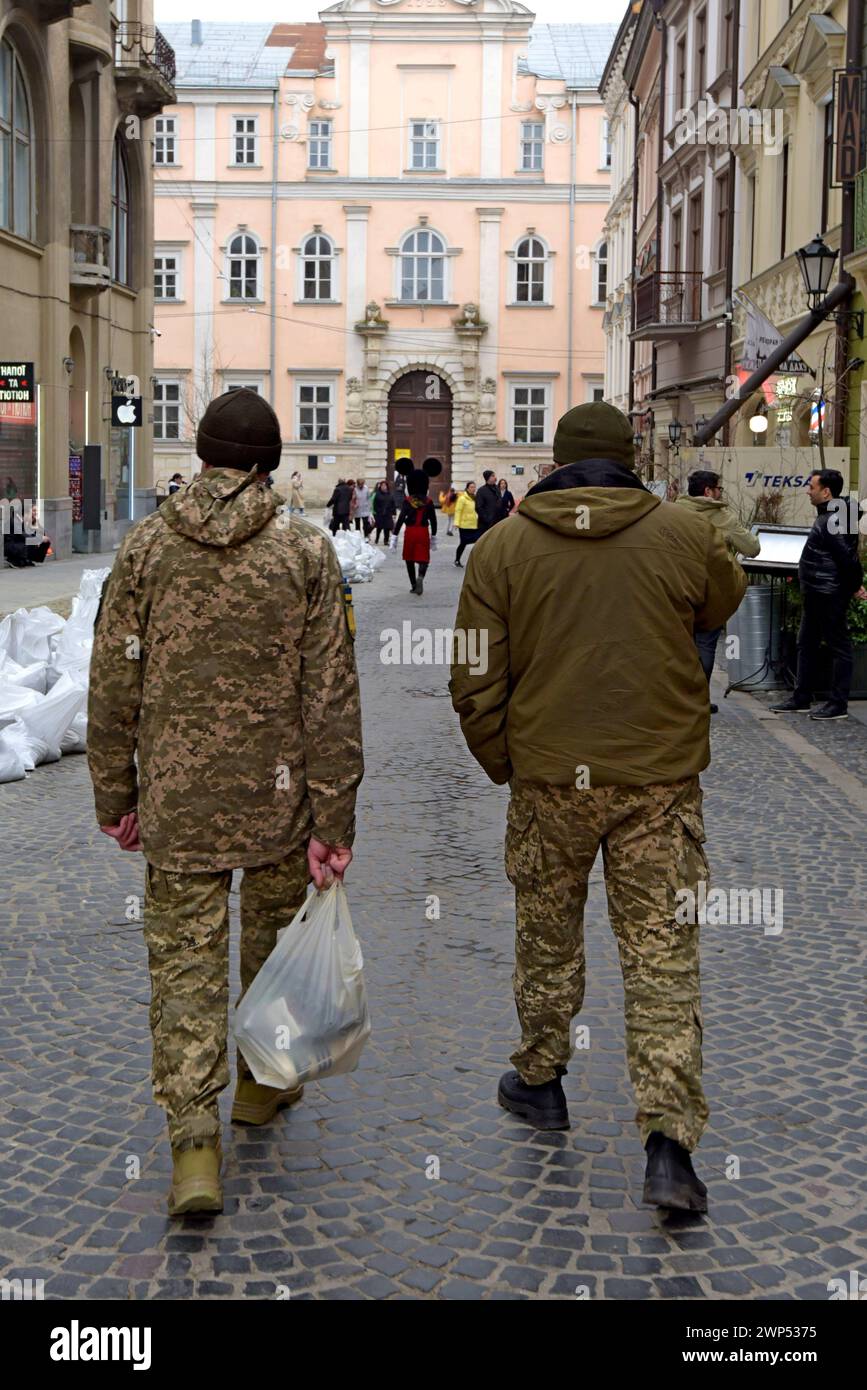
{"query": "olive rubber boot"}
{"type": "Point", "coordinates": [670, 1179]}
{"type": "Point", "coordinates": [544, 1107]}
{"type": "Point", "coordinates": [196, 1185]}
{"type": "Point", "coordinates": [256, 1105]}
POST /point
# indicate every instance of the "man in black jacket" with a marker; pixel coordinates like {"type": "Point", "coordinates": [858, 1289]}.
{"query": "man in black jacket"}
{"type": "Point", "coordinates": [490, 507]}
{"type": "Point", "coordinates": [830, 574]}
{"type": "Point", "coordinates": [340, 503]}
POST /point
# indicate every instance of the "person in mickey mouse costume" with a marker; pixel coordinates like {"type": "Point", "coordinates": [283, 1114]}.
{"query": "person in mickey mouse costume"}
{"type": "Point", "coordinates": [419, 516]}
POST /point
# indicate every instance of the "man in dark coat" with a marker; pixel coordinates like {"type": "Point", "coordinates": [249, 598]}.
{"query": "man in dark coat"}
{"type": "Point", "coordinates": [340, 502]}
{"type": "Point", "coordinates": [490, 507]}
{"type": "Point", "coordinates": [830, 575]}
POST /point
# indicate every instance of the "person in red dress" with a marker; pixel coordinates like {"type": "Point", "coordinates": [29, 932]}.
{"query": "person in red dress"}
{"type": "Point", "coordinates": [418, 515]}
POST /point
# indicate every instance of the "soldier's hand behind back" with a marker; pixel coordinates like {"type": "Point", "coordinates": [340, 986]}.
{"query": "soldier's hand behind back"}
{"type": "Point", "coordinates": [126, 832]}
{"type": "Point", "coordinates": [327, 862]}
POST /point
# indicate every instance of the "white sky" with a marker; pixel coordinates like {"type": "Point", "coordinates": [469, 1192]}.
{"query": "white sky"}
{"type": "Point", "coordinates": [282, 11]}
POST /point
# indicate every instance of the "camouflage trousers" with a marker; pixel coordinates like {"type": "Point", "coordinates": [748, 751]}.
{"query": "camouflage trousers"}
{"type": "Point", "coordinates": [651, 839]}
{"type": "Point", "coordinates": [186, 929]}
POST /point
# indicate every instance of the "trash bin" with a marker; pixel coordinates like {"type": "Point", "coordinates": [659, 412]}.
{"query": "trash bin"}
{"type": "Point", "coordinates": [757, 625]}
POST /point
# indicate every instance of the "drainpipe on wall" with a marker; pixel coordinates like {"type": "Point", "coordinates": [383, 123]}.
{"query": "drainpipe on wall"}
{"type": "Point", "coordinates": [571, 331]}
{"type": "Point", "coordinates": [854, 33]}
{"type": "Point", "coordinates": [661, 25]}
{"type": "Point", "coordinates": [634, 103]}
{"type": "Point", "coordinates": [274, 171]}
{"type": "Point", "coordinates": [728, 366]}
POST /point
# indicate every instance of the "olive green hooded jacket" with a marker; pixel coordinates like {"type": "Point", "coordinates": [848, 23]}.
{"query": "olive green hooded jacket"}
{"type": "Point", "coordinates": [740, 540]}
{"type": "Point", "coordinates": [580, 610]}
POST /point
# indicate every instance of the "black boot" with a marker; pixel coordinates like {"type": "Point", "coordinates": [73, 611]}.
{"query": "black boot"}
{"type": "Point", "coordinates": [669, 1179]}
{"type": "Point", "coordinates": [543, 1106]}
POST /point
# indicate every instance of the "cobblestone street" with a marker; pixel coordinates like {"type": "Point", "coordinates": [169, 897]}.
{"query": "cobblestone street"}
{"type": "Point", "coordinates": [336, 1198]}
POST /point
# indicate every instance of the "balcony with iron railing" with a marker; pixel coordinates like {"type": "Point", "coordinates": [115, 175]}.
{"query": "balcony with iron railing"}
{"type": "Point", "coordinates": [90, 263]}
{"type": "Point", "coordinates": [145, 68]}
{"type": "Point", "coordinates": [861, 211]}
{"type": "Point", "coordinates": [668, 304]}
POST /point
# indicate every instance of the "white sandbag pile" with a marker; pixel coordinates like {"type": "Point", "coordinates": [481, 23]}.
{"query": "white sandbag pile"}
{"type": "Point", "coordinates": [44, 671]}
{"type": "Point", "coordinates": [359, 560]}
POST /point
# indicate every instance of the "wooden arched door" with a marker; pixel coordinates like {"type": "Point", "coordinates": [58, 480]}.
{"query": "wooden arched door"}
{"type": "Point", "coordinates": [420, 420]}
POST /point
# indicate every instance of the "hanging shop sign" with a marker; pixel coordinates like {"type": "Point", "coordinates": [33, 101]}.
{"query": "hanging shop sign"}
{"type": "Point", "coordinates": [849, 123]}
{"type": "Point", "coordinates": [16, 382]}
{"type": "Point", "coordinates": [126, 411]}
{"type": "Point", "coordinates": [760, 340]}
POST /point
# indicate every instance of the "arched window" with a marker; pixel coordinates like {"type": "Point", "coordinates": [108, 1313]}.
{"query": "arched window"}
{"type": "Point", "coordinates": [423, 267]}
{"type": "Point", "coordinates": [243, 267]}
{"type": "Point", "coordinates": [600, 273]}
{"type": "Point", "coordinates": [120, 215]}
{"type": "Point", "coordinates": [531, 271]}
{"type": "Point", "coordinates": [16, 159]}
{"type": "Point", "coordinates": [317, 255]}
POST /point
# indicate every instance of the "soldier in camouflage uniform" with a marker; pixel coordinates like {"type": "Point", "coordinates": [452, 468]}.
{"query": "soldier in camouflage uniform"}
{"type": "Point", "coordinates": [224, 733]}
{"type": "Point", "coordinates": [593, 706]}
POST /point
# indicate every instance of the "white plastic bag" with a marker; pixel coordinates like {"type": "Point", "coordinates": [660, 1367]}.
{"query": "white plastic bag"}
{"type": "Point", "coordinates": [12, 768]}
{"type": "Point", "coordinates": [71, 650]}
{"type": "Point", "coordinates": [30, 677]}
{"type": "Point", "coordinates": [75, 738]}
{"type": "Point", "coordinates": [26, 746]}
{"type": "Point", "coordinates": [305, 1015]}
{"type": "Point", "coordinates": [31, 631]}
{"type": "Point", "coordinates": [49, 719]}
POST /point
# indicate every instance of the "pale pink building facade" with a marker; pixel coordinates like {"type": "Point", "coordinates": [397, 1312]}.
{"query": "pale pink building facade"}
{"type": "Point", "coordinates": [415, 263]}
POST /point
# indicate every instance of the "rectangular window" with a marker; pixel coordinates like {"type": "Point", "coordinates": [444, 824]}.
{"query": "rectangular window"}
{"type": "Point", "coordinates": [165, 140]}
{"type": "Point", "coordinates": [722, 215]}
{"type": "Point", "coordinates": [700, 54]}
{"type": "Point", "coordinates": [167, 276]}
{"type": "Point", "coordinates": [167, 409]}
{"type": "Point", "coordinates": [676, 240]}
{"type": "Point", "coordinates": [315, 410]}
{"type": "Point", "coordinates": [244, 139]}
{"type": "Point", "coordinates": [827, 163]}
{"type": "Point", "coordinates": [692, 291]}
{"type": "Point", "coordinates": [424, 145]}
{"type": "Point", "coordinates": [532, 146]}
{"type": "Point", "coordinates": [605, 156]}
{"type": "Point", "coordinates": [680, 73]}
{"type": "Point", "coordinates": [319, 145]}
{"type": "Point", "coordinates": [245, 386]}
{"type": "Point", "coordinates": [530, 407]}
{"type": "Point", "coordinates": [727, 35]}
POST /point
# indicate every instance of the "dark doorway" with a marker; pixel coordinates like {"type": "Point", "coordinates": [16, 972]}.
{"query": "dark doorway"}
{"type": "Point", "coordinates": [420, 420]}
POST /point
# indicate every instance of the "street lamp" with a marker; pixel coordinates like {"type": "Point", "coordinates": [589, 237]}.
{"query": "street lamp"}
{"type": "Point", "coordinates": [817, 265]}
{"type": "Point", "coordinates": [759, 422]}
{"type": "Point", "coordinates": [638, 440]}
{"type": "Point", "coordinates": [675, 430]}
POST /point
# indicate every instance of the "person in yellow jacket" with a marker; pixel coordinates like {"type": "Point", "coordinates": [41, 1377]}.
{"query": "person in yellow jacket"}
{"type": "Point", "coordinates": [466, 520]}
{"type": "Point", "coordinates": [448, 502]}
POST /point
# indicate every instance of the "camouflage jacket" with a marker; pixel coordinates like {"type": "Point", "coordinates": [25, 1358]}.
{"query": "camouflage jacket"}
{"type": "Point", "coordinates": [224, 700]}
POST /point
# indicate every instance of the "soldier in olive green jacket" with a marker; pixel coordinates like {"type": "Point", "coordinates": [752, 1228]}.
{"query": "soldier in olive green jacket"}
{"type": "Point", "coordinates": [704, 498]}
{"type": "Point", "coordinates": [591, 703]}
{"type": "Point", "coordinates": [224, 733]}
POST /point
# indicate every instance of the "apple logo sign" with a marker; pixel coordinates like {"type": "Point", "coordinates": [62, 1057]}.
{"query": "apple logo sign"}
{"type": "Point", "coordinates": [126, 413]}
